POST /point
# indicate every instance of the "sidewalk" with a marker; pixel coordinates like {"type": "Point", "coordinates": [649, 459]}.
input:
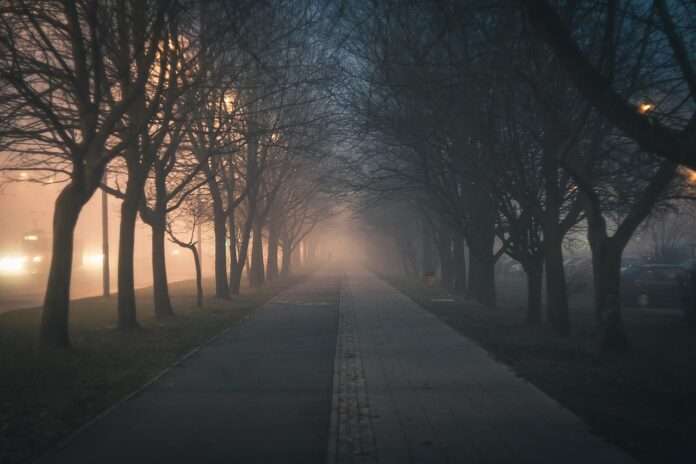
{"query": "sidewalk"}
{"type": "Point", "coordinates": [260, 393]}
{"type": "Point", "coordinates": [392, 385]}
{"type": "Point", "coordinates": [412, 389]}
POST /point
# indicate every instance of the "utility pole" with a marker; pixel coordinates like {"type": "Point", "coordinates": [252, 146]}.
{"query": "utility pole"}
{"type": "Point", "coordinates": [106, 278]}
{"type": "Point", "coordinates": [200, 246]}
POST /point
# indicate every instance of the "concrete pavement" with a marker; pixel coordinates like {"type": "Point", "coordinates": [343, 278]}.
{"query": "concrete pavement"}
{"type": "Point", "coordinates": [375, 379]}
{"type": "Point", "coordinates": [422, 393]}
{"type": "Point", "coordinates": [260, 393]}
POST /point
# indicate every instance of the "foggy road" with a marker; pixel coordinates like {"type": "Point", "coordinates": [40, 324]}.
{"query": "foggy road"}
{"type": "Point", "coordinates": [12, 300]}
{"type": "Point", "coordinates": [375, 380]}
{"type": "Point", "coordinates": [15, 297]}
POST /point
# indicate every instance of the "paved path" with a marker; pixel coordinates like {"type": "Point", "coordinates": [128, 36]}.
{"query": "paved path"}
{"type": "Point", "coordinates": [260, 393]}
{"type": "Point", "coordinates": [420, 392]}
{"type": "Point", "coordinates": [392, 384]}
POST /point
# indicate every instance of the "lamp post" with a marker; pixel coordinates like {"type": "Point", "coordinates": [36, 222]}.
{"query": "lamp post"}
{"type": "Point", "coordinates": [200, 246]}
{"type": "Point", "coordinates": [106, 278]}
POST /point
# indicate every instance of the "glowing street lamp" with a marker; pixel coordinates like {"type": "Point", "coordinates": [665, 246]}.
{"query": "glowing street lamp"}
{"type": "Point", "coordinates": [645, 107]}
{"type": "Point", "coordinates": [689, 174]}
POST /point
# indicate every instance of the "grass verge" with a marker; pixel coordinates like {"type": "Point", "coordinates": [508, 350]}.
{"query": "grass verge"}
{"type": "Point", "coordinates": [46, 396]}
{"type": "Point", "coordinates": [642, 401]}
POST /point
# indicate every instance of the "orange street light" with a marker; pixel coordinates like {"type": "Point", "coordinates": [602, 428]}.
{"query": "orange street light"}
{"type": "Point", "coordinates": [645, 107]}
{"type": "Point", "coordinates": [230, 100]}
{"type": "Point", "coordinates": [689, 174]}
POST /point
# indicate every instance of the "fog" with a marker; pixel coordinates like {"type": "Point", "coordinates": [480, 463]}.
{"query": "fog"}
{"type": "Point", "coordinates": [357, 228]}
{"type": "Point", "coordinates": [27, 212]}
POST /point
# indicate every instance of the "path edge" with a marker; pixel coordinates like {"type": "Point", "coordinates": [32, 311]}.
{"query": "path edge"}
{"type": "Point", "coordinates": [332, 446]}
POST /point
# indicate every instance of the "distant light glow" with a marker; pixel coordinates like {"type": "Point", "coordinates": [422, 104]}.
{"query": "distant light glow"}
{"type": "Point", "coordinates": [176, 252]}
{"type": "Point", "coordinates": [37, 259]}
{"type": "Point", "coordinates": [92, 260]}
{"type": "Point", "coordinates": [230, 100]}
{"type": "Point", "coordinates": [31, 238]}
{"type": "Point", "coordinates": [13, 265]}
{"type": "Point", "coordinates": [23, 175]}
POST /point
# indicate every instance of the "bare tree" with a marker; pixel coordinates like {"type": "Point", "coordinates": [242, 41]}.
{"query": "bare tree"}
{"type": "Point", "coordinates": [155, 129]}
{"type": "Point", "coordinates": [661, 25]}
{"type": "Point", "coordinates": [184, 223]}
{"type": "Point", "coordinates": [62, 68]}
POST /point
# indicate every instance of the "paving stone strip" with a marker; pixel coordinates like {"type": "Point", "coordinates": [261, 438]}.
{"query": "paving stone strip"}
{"type": "Point", "coordinates": [351, 436]}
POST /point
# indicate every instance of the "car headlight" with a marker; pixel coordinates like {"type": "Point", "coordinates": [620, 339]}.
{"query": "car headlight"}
{"type": "Point", "coordinates": [13, 264]}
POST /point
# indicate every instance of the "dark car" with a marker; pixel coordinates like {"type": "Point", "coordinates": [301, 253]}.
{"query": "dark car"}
{"type": "Point", "coordinates": [652, 285]}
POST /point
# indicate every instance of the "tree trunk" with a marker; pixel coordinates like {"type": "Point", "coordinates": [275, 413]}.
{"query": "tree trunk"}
{"type": "Point", "coordinates": [296, 255]}
{"type": "Point", "coordinates": [444, 249]}
{"type": "Point", "coordinates": [480, 238]}
{"type": "Point", "coordinates": [199, 277]}
{"type": "Point", "coordinates": [311, 250]}
{"type": "Point", "coordinates": [287, 260]}
{"type": "Point", "coordinates": [238, 266]}
{"type": "Point", "coordinates": [306, 253]}
{"type": "Point", "coordinates": [232, 229]}
{"type": "Point", "coordinates": [222, 289]}
{"type": "Point", "coordinates": [459, 265]}
{"type": "Point", "coordinates": [272, 259]}
{"type": "Point", "coordinates": [556, 292]}
{"type": "Point", "coordinates": [689, 298]}
{"type": "Point", "coordinates": [606, 259]}
{"type": "Point", "coordinates": [236, 278]}
{"type": "Point", "coordinates": [408, 253]}
{"type": "Point", "coordinates": [163, 304]}
{"type": "Point", "coordinates": [482, 277]}
{"type": "Point", "coordinates": [256, 272]}
{"type": "Point", "coordinates": [534, 270]}
{"type": "Point", "coordinates": [54, 318]}
{"type": "Point", "coordinates": [127, 316]}
{"type": "Point", "coordinates": [427, 252]}
{"type": "Point", "coordinates": [252, 192]}
{"type": "Point", "coordinates": [482, 264]}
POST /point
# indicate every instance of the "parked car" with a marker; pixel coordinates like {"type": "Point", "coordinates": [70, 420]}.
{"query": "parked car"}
{"type": "Point", "coordinates": [631, 261]}
{"type": "Point", "coordinates": [652, 285]}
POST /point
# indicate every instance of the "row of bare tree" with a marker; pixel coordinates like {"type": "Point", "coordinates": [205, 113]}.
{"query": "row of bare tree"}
{"type": "Point", "coordinates": [507, 126]}
{"type": "Point", "coordinates": [189, 112]}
